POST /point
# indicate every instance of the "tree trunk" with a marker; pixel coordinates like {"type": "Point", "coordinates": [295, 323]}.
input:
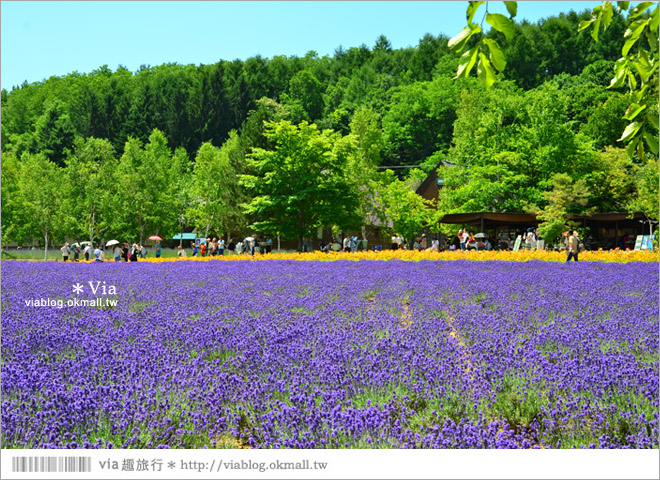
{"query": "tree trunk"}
{"type": "Point", "coordinates": [300, 234]}
{"type": "Point", "coordinates": [46, 245]}
{"type": "Point", "coordinates": [91, 229]}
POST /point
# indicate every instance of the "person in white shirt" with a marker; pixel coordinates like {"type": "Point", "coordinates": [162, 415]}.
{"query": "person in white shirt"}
{"type": "Point", "coordinates": [181, 252]}
{"type": "Point", "coordinates": [464, 237]}
{"type": "Point", "coordinates": [66, 251]}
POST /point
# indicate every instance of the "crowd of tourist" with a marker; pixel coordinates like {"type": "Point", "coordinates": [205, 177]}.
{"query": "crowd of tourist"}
{"type": "Point", "coordinates": [217, 246]}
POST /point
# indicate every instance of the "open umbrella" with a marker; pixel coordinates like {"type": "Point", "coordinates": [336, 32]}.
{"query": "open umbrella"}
{"type": "Point", "coordinates": [85, 243]}
{"type": "Point", "coordinates": [155, 237]}
{"type": "Point", "coordinates": [111, 243]}
{"type": "Point", "coordinates": [481, 235]}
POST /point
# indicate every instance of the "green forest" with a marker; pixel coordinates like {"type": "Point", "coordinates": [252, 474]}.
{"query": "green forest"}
{"type": "Point", "coordinates": [285, 145]}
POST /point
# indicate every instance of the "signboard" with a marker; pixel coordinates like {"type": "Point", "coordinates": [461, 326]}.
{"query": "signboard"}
{"type": "Point", "coordinates": [198, 241]}
{"type": "Point", "coordinates": [638, 242]}
{"type": "Point", "coordinates": [516, 246]}
{"type": "Point", "coordinates": [647, 242]}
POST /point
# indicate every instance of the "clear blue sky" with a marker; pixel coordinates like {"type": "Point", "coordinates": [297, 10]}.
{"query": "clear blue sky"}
{"type": "Point", "coordinates": [41, 39]}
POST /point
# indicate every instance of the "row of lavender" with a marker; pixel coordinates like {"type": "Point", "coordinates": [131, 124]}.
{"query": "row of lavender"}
{"type": "Point", "coordinates": [341, 354]}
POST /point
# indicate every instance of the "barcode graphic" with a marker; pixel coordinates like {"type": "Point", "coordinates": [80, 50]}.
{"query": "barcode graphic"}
{"type": "Point", "coordinates": [51, 464]}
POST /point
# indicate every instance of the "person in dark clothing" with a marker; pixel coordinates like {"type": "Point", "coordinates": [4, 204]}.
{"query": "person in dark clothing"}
{"type": "Point", "coordinates": [124, 251]}
{"type": "Point", "coordinates": [134, 253]}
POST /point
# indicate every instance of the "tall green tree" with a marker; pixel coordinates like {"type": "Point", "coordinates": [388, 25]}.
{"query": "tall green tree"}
{"type": "Point", "coordinates": [54, 132]}
{"type": "Point", "coordinates": [215, 186]}
{"type": "Point", "coordinates": [13, 213]}
{"type": "Point", "coordinates": [407, 211]}
{"type": "Point", "coordinates": [566, 197]}
{"type": "Point", "coordinates": [301, 184]}
{"type": "Point", "coordinates": [40, 182]}
{"type": "Point", "coordinates": [145, 205]}
{"type": "Point", "coordinates": [90, 189]}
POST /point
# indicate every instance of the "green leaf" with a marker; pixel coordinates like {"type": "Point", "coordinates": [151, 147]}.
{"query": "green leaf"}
{"type": "Point", "coordinates": [485, 71]}
{"type": "Point", "coordinates": [607, 14]}
{"type": "Point", "coordinates": [634, 30]}
{"type": "Point", "coordinates": [585, 24]}
{"type": "Point", "coordinates": [653, 120]}
{"type": "Point", "coordinates": [619, 76]}
{"type": "Point", "coordinates": [643, 71]}
{"type": "Point", "coordinates": [651, 32]}
{"type": "Point", "coordinates": [639, 9]}
{"type": "Point", "coordinates": [496, 54]}
{"type": "Point", "coordinates": [501, 24]}
{"type": "Point", "coordinates": [628, 45]}
{"type": "Point", "coordinates": [652, 142]}
{"type": "Point", "coordinates": [634, 110]}
{"type": "Point", "coordinates": [512, 8]}
{"type": "Point", "coordinates": [632, 146]}
{"type": "Point", "coordinates": [653, 21]}
{"type": "Point", "coordinates": [623, 5]}
{"type": "Point", "coordinates": [466, 62]}
{"type": "Point", "coordinates": [632, 81]}
{"type": "Point", "coordinates": [630, 131]}
{"type": "Point", "coordinates": [459, 40]}
{"type": "Point", "coordinates": [472, 9]}
{"type": "Point", "coordinates": [596, 30]}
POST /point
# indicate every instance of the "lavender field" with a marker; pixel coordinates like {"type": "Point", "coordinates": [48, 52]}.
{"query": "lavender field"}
{"type": "Point", "coordinates": [284, 354]}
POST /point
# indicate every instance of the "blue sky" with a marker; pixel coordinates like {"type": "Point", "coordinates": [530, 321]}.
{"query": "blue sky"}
{"type": "Point", "coordinates": [41, 39]}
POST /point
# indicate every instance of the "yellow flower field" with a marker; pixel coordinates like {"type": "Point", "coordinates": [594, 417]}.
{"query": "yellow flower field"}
{"type": "Point", "coordinates": [618, 256]}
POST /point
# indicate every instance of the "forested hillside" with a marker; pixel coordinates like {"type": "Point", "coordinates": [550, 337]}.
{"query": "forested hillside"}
{"type": "Point", "coordinates": [138, 153]}
{"type": "Point", "coordinates": [408, 88]}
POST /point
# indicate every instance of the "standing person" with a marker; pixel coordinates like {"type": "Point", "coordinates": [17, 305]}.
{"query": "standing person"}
{"type": "Point", "coordinates": [202, 247]}
{"type": "Point", "coordinates": [214, 247]}
{"type": "Point", "coordinates": [395, 244]}
{"type": "Point", "coordinates": [98, 254]}
{"type": "Point", "coordinates": [573, 245]}
{"type": "Point", "coordinates": [76, 252]}
{"type": "Point", "coordinates": [347, 243]}
{"type": "Point", "coordinates": [435, 245]}
{"type": "Point", "coordinates": [354, 243]}
{"type": "Point", "coordinates": [463, 237]}
{"type": "Point", "coordinates": [471, 241]}
{"type": "Point", "coordinates": [117, 253]}
{"type": "Point", "coordinates": [417, 245]}
{"type": "Point", "coordinates": [159, 249]}
{"type": "Point", "coordinates": [66, 251]}
{"type": "Point", "coordinates": [124, 251]}
{"type": "Point", "coordinates": [87, 251]}
{"type": "Point", "coordinates": [143, 251]}
{"type": "Point", "coordinates": [193, 246]}
{"type": "Point", "coordinates": [529, 239]}
{"type": "Point", "coordinates": [134, 253]}
{"type": "Point", "coordinates": [221, 246]}
{"type": "Point", "coordinates": [424, 243]}
{"type": "Point", "coordinates": [180, 251]}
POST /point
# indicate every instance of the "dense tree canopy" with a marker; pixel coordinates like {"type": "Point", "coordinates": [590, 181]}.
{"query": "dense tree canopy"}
{"type": "Point", "coordinates": [287, 144]}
